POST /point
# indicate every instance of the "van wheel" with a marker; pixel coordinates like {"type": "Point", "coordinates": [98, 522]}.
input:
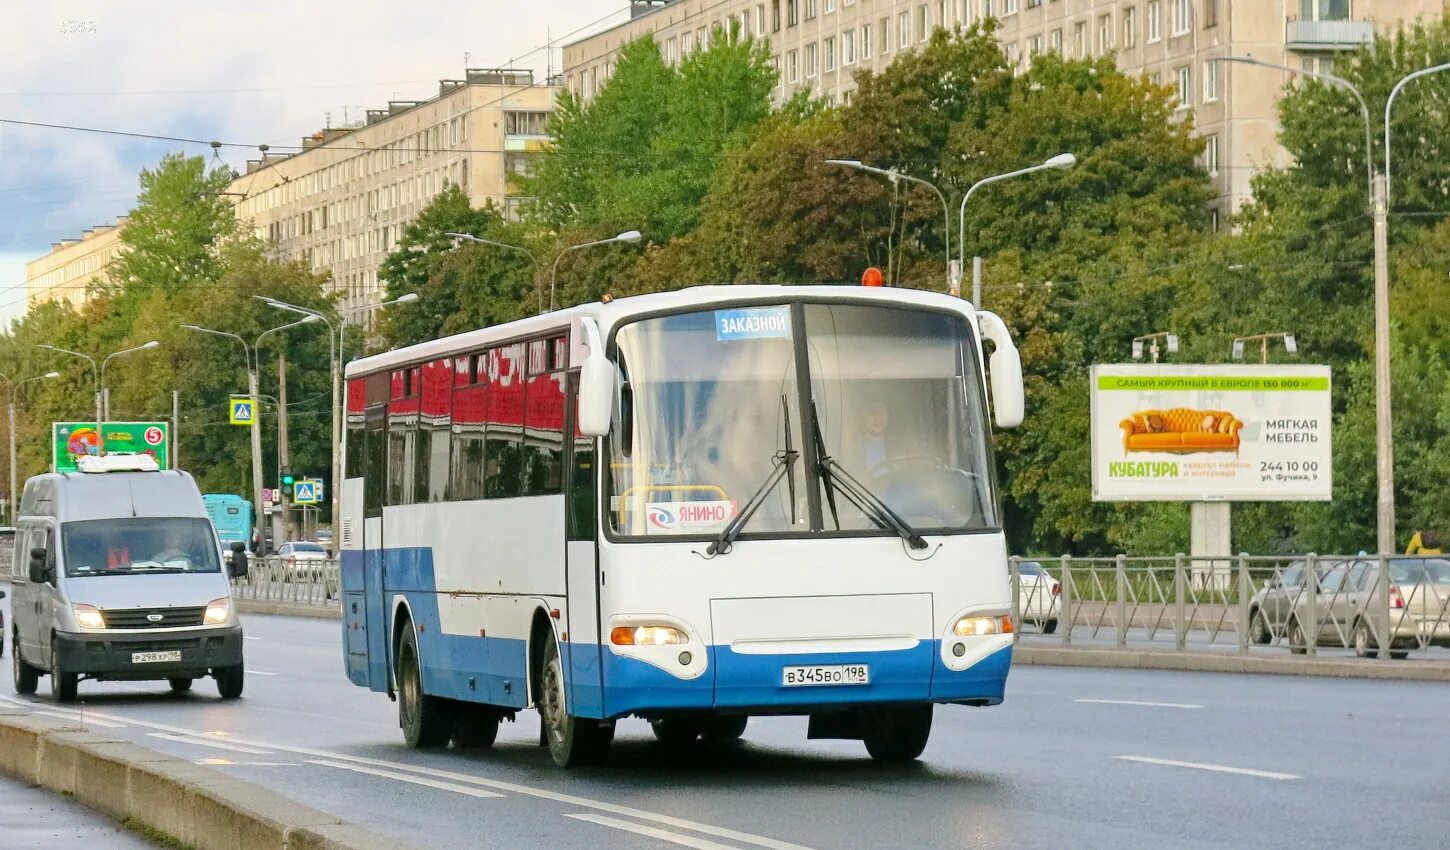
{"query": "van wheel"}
{"type": "Point", "coordinates": [427, 721]}
{"type": "Point", "coordinates": [724, 729]}
{"type": "Point", "coordinates": [229, 681]}
{"type": "Point", "coordinates": [180, 685]}
{"type": "Point", "coordinates": [27, 678]}
{"type": "Point", "coordinates": [573, 741]}
{"type": "Point", "coordinates": [898, 734]}
{"type": "Point", "coordinates": [63, 685]}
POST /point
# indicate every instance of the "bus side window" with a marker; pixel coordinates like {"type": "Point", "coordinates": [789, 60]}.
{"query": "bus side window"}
{"type": "Point", "coordinates": [582, 516]}
{"type": "Point", "coordinates": [375, 452]}
{"type": "Point", "coordinates": [504, 456]}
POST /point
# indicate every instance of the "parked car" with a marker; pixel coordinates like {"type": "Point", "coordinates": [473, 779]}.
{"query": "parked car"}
{"type": "Point", "coordinates": [1348, 597]}
{"type": "Point", "coordinates": [301, 555]}
{"type": "Point", "coordinates": [1037, 596]}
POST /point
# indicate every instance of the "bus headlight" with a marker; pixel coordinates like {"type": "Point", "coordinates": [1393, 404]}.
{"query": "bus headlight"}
{"type": "Point", "coordinates": [217, 611]}
{"type": "Point", "coordinates": [88, 617]}
{"type": "Point", "coordinates": [981, 626]}
{"type": "Point", "coordinates": [647, 636]}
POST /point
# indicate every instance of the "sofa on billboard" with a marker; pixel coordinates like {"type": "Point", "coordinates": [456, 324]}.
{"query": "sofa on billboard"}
{"type": "Point", "coordinates": [1181, 429]}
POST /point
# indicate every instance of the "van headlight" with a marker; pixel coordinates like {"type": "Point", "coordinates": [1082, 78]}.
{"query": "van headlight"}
{"type": "Point", "coordinates": [88, 617]}
{"type": "Point", "coordinates": [981, 626]}
{"type": "Point", "coordinates": [217, 612]}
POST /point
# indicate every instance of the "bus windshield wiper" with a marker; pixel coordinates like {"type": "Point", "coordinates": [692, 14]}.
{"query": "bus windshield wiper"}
{"type": "Point", "coordinates": [780, 468]}
{"type": "Point", "coordinates": [837, 479]}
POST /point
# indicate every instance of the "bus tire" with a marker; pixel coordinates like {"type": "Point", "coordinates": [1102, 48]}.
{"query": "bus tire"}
{"type": "Point", "coordinates": [677, 731]}
{"type": "Point", "coordinates": [63, 683]}
{"type": "Point", "coordinates": [27, 678]}
{"type": "Point", "coordinates": [897, 734]}
{"type": "Point", "coordinates": [724, 728]}
{"type": "Point", "coordinates": [229, 681]}
{"type": "Point", "coordinates": [475, 727]}
{"type": "Point", "coordinates": [427, 721]}
{"type": "Point", "coordinates": [573, 741]}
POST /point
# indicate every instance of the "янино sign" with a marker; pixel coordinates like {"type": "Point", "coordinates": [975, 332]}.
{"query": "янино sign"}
{"type": "Point", "coordinates": [1211, 433]}
{"type": "Point", "coordinates": [73, 440]}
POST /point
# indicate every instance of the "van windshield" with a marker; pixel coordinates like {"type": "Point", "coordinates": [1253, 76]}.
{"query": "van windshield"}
{"type": "Point", "coordinates": [102, 547]}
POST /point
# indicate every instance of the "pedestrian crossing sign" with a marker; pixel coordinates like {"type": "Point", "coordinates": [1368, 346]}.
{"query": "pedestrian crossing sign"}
{"type": "Point", "coordinates": [242, 412]}
{"type": "Point", "coordinates": [304, 492]}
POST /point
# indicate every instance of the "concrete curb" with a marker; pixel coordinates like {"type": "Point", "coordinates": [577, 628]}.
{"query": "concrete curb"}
{"type": "Point", "coordinates": [287, 609]}
{"type": "Point", "coordinates": [1206, 662]}
{"type": "Point", "coordinates": [193, 805]}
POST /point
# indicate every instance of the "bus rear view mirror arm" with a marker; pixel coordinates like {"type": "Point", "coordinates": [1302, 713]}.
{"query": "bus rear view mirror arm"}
{"type": "Point", "coordinates": [1005, 367]}
{"type": "Point", "coordinates": [596, 384]}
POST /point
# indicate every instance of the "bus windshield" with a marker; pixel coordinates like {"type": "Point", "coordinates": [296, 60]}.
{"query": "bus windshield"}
{"type": "Point", "coordinates": [712, 410]}
{"type": "Point", "coordinates": [104, 547]}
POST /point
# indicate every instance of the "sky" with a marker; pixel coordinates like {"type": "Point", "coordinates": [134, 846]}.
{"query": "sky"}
{"type": "Point", "coordinates": [247, 71]}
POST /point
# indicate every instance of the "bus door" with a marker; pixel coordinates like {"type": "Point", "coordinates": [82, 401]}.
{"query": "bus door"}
{"type": "Point", "coordinates": [374, 490]}
{"type": "Point", "coordinates": [581, 524]}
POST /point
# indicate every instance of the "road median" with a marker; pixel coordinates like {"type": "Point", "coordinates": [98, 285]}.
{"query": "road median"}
{"type": "Point", "coordinates": [187, 803]}
{"type": "Point", "coordinates": [1210, 662]}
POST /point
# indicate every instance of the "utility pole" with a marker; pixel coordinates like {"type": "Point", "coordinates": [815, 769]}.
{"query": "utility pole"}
{"type": "Point", "coordinates": [256, 426]}
{"type": "Point", "coordinates": [176, 429]}
{"type": "Point", "coordinates": [1384, 458]}
{"type": "Point", "coordinates": [284, 460]}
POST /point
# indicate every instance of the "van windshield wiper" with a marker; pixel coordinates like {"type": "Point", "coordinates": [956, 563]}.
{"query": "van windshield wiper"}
{"type": "Point", "coordinates": [781, 466]}
{"type": "Point", "coordinates": [837, 479]}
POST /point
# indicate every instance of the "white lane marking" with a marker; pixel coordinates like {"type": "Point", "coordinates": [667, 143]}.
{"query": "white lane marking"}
{"type": "Point", "coordinates": [78, 715]}
{"type": "Point", "coordinates": [1217, 768]}
{"type": "Point", "coordinates": [203, 742]}
{"type": "Point", "coordinates": [526, 790]}
{"type": "Point", "coordinates": [249, 637]}
{"type": "Point", "coordinates": [414, 780]}
{"type": "Point", "coordinates": [1136, 702]}
{"type": "Point", "coordinates": [654, 832]}
{"type": "Point", "coordinates": [259, 673]}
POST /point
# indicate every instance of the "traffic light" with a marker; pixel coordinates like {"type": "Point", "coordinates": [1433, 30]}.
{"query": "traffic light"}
{"type": "Point", "coordinates": [287, 480]}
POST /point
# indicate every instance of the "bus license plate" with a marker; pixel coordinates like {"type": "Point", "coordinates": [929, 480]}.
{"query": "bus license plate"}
{"type": "Point", "coordinates": [826, 674]}
{"type": "Point", "coordinates": [155, 657]}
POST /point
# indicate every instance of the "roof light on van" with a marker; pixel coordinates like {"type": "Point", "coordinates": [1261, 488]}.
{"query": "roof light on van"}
{"type": "Point", "coordinates": [118, 463]}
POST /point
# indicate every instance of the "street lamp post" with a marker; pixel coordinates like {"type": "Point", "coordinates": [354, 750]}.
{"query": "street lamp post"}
{"type": "Point", "coordinates": [95, 380]}
{"type": "Point", "coordinates": [1061, 161]}
{"type": "Point", "coordinates": [335, 344]}
{"type": "Point", "coordinates": [626, 236]}
{"type": "Point", "coordinates": [954, 269]}
{"type": "Point", "coordinates": [1170, 339]}
{"type": "Point", "coordinates": [15, 389]}
{"type": "Point", "coordinates": [252, 392]}
{"type": "Point", "coordinates": [469, 237]}
{"type": "Point", "coordinates": [1290, 345]}
{"type": "Point", "coordinates": [105, 391]}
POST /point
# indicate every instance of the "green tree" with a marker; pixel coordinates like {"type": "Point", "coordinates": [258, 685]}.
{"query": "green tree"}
{"type": "Point", "coordinates": [172, 236]}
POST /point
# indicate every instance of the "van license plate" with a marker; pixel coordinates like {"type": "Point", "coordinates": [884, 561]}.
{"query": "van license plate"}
{"type": "Point", "coordinates": [826, 674]}
{"type": "Point", "coordinates": [155, 657]}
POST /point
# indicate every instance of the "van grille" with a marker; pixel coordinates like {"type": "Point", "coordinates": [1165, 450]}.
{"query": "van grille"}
{"type": "Point", "coordinates": [153, 618]}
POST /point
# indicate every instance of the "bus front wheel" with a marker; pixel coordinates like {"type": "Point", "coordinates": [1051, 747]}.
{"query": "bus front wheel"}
{"type": "Point", "coordinates": [573, 741]}
{"type": "Point", "coordinates": [425, 719]}
{"type": "Point", "coordinates": [897, 734]}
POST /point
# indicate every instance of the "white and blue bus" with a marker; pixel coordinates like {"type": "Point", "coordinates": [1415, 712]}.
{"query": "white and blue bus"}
{"type": "Point", "coordinates": [691, 507]}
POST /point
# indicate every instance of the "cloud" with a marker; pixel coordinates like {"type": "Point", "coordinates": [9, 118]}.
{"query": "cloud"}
{"type": "Point", "coordinates": [250, 72]}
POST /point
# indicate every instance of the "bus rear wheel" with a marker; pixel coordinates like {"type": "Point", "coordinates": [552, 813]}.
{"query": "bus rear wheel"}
{"type": "Point", "coordinates": [573, 741]}
{"type": "Point", "coordinates": [897, 734]}
{"type": "Point", "coordinates": [426, 720]}
{"type": "Point", "coordinates": [725, 728]}
{"type": "Point", "coordinates": [475, 727]}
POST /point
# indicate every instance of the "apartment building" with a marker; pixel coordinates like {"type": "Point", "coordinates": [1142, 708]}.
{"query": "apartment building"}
{"type": "Point", "coordinates": [342, 203]}
{"type": "Point", "coordinates": [72, 264]}
{"type": "Point", "coordinates": [820, 44]}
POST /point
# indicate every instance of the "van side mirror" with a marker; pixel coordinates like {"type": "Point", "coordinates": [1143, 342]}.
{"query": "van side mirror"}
{"type": "Point", "coordinates": [1005, 366]}
{"type": "Point", "coordinates": [238, 567]}
{"type": "Point", "coordinates": [39, 571]}
{"type": "Point", "coordinates": [596, 385]}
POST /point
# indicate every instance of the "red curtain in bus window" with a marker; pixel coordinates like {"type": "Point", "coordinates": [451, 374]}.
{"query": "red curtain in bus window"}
{"type": "Point", "coordinates": [437, 390]}
{"type": "Point", "coordinates": [357, 396]}
{"type": "Point", "coordinates": [506, 386]}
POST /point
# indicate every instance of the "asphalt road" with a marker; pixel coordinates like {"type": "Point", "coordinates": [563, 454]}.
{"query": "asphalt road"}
{"type": "Point", "coordinates": [35, 819]}
{"type": "Point", "coordinates": [1074, 758]}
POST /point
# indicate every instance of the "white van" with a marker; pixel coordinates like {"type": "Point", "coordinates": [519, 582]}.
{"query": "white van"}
{"type": "Point", "coordinates": [118, 576]}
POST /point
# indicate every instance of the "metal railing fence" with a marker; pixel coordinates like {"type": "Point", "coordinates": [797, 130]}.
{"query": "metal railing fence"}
{"type": "Point", "coordinates": [307, 583]}
{"type": "Point", "coordinates": [1370, 605]}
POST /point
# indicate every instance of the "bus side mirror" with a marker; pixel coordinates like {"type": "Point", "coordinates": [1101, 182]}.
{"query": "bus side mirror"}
{"type": "Point", "coordinates": [38, 573]}
{"type": "Point", "coordinates": [596, 385]}
{"type": "Point", "coordinates": [238, 567]}
{"type": "Point", "coordinates": [1005, 366]}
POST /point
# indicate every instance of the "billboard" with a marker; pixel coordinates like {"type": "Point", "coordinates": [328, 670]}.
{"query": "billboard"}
{"type": "Point", "coordinates": [1210, 433]}
{"type": "Point", "coordinates": [72, 440]}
